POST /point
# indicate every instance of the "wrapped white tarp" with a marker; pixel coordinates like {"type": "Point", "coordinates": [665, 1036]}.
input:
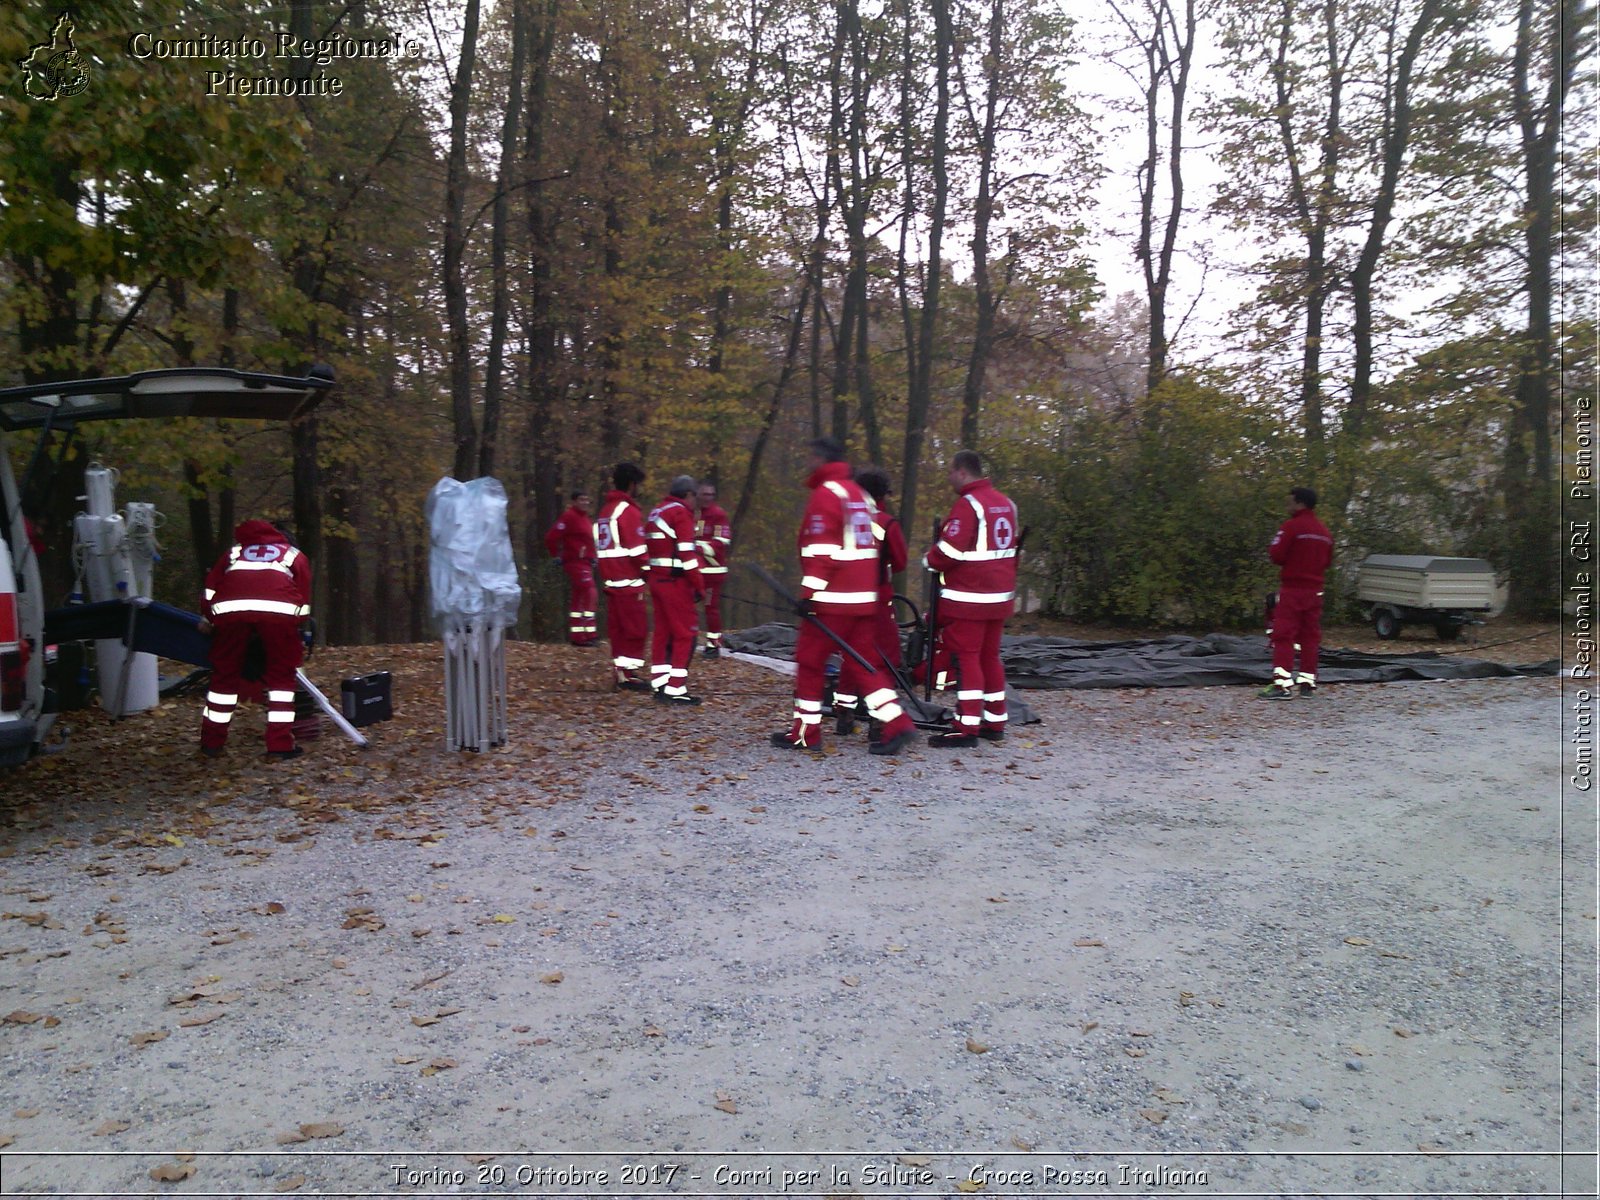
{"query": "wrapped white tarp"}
{"type": "Point", "coordinates": [475, 597]}
{"type": "Point", "coordinates": [116, 557]}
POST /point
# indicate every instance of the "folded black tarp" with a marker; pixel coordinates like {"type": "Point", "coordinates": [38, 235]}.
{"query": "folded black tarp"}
{"type": "Point", "coordinates": [158, 629]}
{"type": "Point", "coordinates": [1178, 661]}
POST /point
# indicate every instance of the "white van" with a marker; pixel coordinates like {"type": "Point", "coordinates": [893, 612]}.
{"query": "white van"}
{"type": "Point", "coordinates": [39, 410]}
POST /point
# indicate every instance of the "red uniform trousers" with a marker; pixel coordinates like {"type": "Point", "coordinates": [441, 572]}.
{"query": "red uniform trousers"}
{"type": "Point", "coordinates": [713, 594]}
{"type": "Point", "coordinates": [280, 637]}
{"type": "Point", "coordinates": [888, 634]}
{"type": "Point", "coordinates": [1296, 622]}
{"type": "Point", "coordinates": [626, 626]}
{"type": "Point", "coordinates": [812, 650]}
{"type": "Point", "coordinates": [581, 628]}
{"type": "Point", "coordinates": [974, 648]}
{"type": "Point", "coordinates": [673, 644]}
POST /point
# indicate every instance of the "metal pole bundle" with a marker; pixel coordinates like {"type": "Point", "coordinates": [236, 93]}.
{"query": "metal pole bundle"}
{"type": "Point", "coordinates": [476, 597]}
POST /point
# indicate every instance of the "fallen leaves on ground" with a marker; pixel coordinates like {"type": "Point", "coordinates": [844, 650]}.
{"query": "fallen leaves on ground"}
{"type": "Point", "coordinates": [172, 1172]}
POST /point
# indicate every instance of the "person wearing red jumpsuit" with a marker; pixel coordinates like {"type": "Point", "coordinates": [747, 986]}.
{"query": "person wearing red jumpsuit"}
{"type": "Point", "coordinates": [1302, 549]}
{"type": "Point", "coordinates": [976, 554]}
{"type": "Point", "coordinates": [620, 552]}
{"type": "Point", "coordinates": [570, 542]}
{"type": "Point", "coordinates": [261, 587]}
{"type": "Point", "coordinates": [839, 589]}
{"type": "Point", "coordinates": [892, 555]}
{"type": "Point", "coordinates": [714, 540]}
{"type": "Point", "coordinates": [675, 590]}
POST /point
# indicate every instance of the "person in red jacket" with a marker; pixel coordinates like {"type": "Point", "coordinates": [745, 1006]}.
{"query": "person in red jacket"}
{"type": "Point", "coordinates": [676, 586]}
{"type": "Point", "coordinates": [570, 542]}
{"type": "Point", "coordinates": [1302, 549]}
{"type": "Point", "coordinates": [261, 587]}
{"type": "Point", "coordinates": [839, 588]}
{"type": "Point", "coordinates": [892, 557]}
{"type": "Point", "coordinates": [714, 540]}
{"type": "Point", "coordinates": [976, 553]}
{"type": "Point", "coordinates": [620, 550]}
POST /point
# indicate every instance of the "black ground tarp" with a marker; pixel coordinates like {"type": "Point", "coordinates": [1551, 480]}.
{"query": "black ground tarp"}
{"type": "Point", "coordinates": [1178, 661]}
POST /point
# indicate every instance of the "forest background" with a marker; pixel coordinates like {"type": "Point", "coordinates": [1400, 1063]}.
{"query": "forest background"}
{"type": "Point", "coordinates": [535, 237]}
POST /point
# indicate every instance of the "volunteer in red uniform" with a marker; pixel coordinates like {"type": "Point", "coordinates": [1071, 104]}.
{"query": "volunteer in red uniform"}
{"type": "Point", "coordinates": [976, 553]}
{"type": "Point", "coordinates": [261, 586]}
{"type": "Point", "coordinates": [675, 589]}
{"type": "Point", "coordinates": [620, 550]}
{"type": "Point", "coordinates": [714, 540]}
{"type": "Point", "coordinates": [839, 560]}
{"type": "Point", "coordinates": [1303, 549]}
{"type": "Point", "coordinates": [570, 542]}
{"type": "Point", "coordinates": [892, 555]}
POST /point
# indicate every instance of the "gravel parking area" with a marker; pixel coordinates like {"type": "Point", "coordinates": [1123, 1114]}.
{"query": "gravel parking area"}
{"type": "Point", "coordinates": [1175, 941]}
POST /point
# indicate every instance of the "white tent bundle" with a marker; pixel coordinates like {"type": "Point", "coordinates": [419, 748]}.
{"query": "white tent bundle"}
{"type": "Point", "coordinates": [116, 557]}
{"type": "Point", "coordinates": [475, 598]}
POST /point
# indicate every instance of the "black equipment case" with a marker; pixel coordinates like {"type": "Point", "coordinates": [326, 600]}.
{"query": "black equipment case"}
{"type": "Point", "coordinates": [366, 699]}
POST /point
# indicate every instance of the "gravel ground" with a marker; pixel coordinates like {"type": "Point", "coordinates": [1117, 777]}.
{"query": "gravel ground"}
{"type": "Point", "coordinates": [1300, 948]}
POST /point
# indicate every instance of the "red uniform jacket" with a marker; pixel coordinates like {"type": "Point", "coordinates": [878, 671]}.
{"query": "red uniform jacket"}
{"type": "Point", "coordinates": [892, 552]}
{"type": "Point", "coordinates": [571, 538]}
{"type": "Point", "coordinates": [714, 538]}
{"type": "Point", "coordinates": [262, 575]}
{"type": "Point", "coordinates": [838, 548]}
{"type": "Point", "coordinates": [669, 534]}
{"type": "Point", "coordinates": [1303, 549]}
{"type": "Point", "coordinates": [619, 541]}
{"type": "Point", "coordinates": [977, 554]}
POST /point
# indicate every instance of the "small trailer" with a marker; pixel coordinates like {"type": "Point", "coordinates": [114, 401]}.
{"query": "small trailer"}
{"type": "Point", "coordinates": [1447, 593]}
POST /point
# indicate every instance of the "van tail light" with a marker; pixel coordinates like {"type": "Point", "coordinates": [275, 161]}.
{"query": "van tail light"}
{"type": "Point", "coordinates": [10, 626]}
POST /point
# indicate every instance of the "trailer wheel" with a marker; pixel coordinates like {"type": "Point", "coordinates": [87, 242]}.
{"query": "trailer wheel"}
{"type": "Point", "coordinates": [1448, 631]}
{"type": "Point", "coordinates": [1385, 624]}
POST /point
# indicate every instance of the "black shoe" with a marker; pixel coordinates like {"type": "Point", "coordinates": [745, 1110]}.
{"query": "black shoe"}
{"type": "Point", "coordinates": [685, 699]}
{"type": "Point", "coordinates": [632, 685]}
{"type": "Point", "coordinates": [953, 740]}
{"type": "Point", "coordinates": [992, 735]}
{"type": "Point", "coordinates": [1307, 689]}
{"type": "Point", "coordinates": [893, 745]}
{"type": "Point", "coordinates": [711, 652]}
{"type": "Point", "coordinates": [783, 742]}
{"type": "Point", "coordinates": [282, 754]}
{"type": "Point", "coordinates": [1273, 692]}
{"type": "Point", "coordinates": [874, 730]}
{"type": "Point", "coordinates": [213, 751]}
{"type": "Point", "coordinates": [844, 723]}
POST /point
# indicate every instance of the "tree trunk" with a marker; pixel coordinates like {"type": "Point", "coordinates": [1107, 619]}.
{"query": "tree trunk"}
{"type": "Point", "coordinates": [500, 317]}
{"type": "Point", "coordinates": [1529, 485]}
{"type": "Point", "coordinates": [982, 216]}
{"type": "Point", "coordinates": [920, 392]}
{"type": "Point", "coordinates": [455, 242]}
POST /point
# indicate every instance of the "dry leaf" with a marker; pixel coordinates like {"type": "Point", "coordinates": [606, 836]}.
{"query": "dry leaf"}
{"type": "Point", "coordinates": [171, 1172]}
{"type": "Point", "coordinates": [1088, 1025]}
{"type": "Point", "coordinates": [21, 1017]}
{"type": "Point", "coordinates": [144, 1039]}
{"type": "Point", "coordinates": [289, 1139]}
{"type": "Point", "coordinates": [503, 919]}
{"type": "Point", "coordinates": [290, 1184]}
{"type": "Point", "coordinates": [552, 978]}
{"type": "Point", "coordinates": [5, 1140]}
{"type": "Point", "coordinates": [727, 1106]}
{"type": "Point", "coordinates": [1432, 1148]}
{"type": "Point", "coordinates": [424, 1021]}
{"type": "Point", "coordinates": [1133, 1052]}
{"type": "Point", "coordinates": [1399, 1032]}
{"type": "Point", "coordinates": [108, 1127]}
{"type": "Point", "coordinates": [1168, 1096]}
{"type": "Point", "coordinates": [1025, 1147]}
{"type": "Point", "coordinates": [1154, 1115]}
{"type": "Point", "coordinates": [976, 1047]}
{"type": "Point", "coordinates": [405, 1060]}
{"type": "Point", "coordinates": [653, 1031]}
{"type": "Point", "coordinates": [322, 1129]}
{"type": "Point", "coordinates": [915, 1160]}
{"type": "Point", "coordinates": [968, 1185]}
{"type": "Point", "coordinates": [1140, 1033]}
{"type": "Point", "coordinates": [25, 1114]}
{"type": "Point", "coordinates": [202, 1018]}
{"type": "Point", "coordinates": [1357, 941]}
{"type": "Point", "coordinates": [850, 981]}
{"type": "Point", "coordinates": [270, 909]}
{"type": "Point", "coordinates": [1088, 942]}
